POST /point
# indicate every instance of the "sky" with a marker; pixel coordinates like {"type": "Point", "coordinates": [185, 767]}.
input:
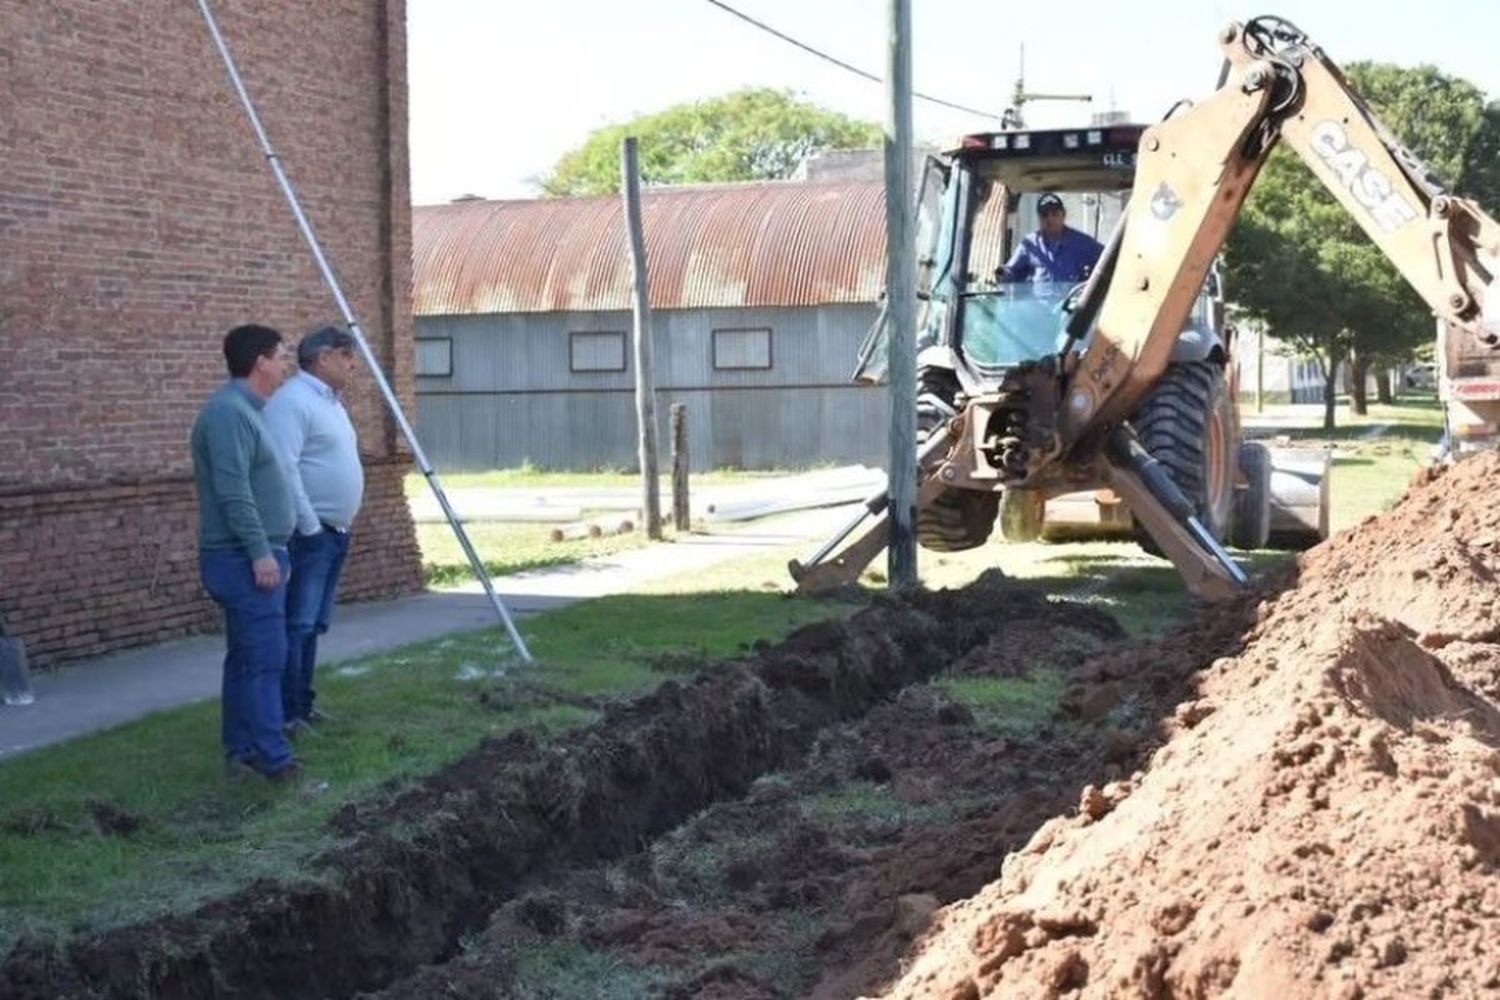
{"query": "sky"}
{"type": "Point", "coordinates": [500, 89]}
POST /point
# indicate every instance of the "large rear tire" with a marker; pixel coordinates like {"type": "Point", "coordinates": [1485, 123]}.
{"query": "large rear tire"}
{"type": "Point", "coordinates": [958, 519]}
{"type": "Point", "coordinates": [1187, 423]}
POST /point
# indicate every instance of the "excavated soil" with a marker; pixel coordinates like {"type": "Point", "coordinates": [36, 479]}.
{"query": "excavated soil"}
{"type": "Point", "coordinates": [423, 871]}
{"type": "Point", "coordinates": [1325, 819]}
{"type": "Point", "coordinates": [817, 881]}
{"type": "Point", "coordinates": [1295, 796]}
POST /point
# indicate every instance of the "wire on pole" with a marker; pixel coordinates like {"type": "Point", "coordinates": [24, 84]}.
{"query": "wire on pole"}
{"type": "Point", "coordinates": [841, 64]}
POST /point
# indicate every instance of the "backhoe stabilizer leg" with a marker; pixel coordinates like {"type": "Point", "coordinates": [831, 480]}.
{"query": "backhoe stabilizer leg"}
{"type": "Point", "coordinates": [822, 573]}
{"type": "Point", "coordinates": [1209, 571]}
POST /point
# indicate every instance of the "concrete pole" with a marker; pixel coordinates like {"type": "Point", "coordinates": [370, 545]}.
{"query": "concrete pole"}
{"type": "Point", "coordinates": [645, 380]}
{"type": "Point", "coordinates": [901, 277]}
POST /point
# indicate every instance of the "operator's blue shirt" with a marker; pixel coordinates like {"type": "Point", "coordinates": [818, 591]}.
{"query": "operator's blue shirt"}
{"type": "Point", "coordinates": [1070, 259]}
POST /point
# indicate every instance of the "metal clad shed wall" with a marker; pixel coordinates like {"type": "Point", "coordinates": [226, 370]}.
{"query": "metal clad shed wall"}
{"type": "Point", "coordinates": [512, 399]}
{"type": "Point", "coordinates": [508, 282]}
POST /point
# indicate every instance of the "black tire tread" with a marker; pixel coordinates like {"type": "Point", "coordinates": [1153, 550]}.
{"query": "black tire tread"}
{"type": "Point", "coordinates": [1172, 424]}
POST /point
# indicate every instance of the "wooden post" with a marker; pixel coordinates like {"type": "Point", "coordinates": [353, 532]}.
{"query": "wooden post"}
{"type": "Point", "coordinates": [645, 385]}
{"type": "Point", "coordinates": [901, 295]}
{"type": "Point", "coordinates": [681, 515]}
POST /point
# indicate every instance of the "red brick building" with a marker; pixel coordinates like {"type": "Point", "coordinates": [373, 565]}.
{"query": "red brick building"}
{"type": "Point", "coordinates": [138, 223]}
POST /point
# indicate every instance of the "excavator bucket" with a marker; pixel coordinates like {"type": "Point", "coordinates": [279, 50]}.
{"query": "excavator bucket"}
{"type": "Point", "coordinates": [1299, 497]}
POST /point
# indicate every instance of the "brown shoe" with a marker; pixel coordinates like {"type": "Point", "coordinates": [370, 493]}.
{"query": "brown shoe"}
{"type": "Point", "coordinates": [298, 728]}
{"type": "Point", "coordinates": [236, 770]}
{"type": "Point", "coordinates": [292, 776]}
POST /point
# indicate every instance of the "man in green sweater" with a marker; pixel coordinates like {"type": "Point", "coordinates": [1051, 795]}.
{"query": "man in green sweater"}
{"type": "Point", "coordinates": [245, 516]}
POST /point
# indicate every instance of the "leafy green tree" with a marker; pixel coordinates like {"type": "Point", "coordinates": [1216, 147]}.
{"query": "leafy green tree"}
{"type": "Point", "coordinates": [1481, 177]}
{"type": "Point", "coordinates": [752, 134]}
{"type": "Point", "coordinates": [1276, 275]}
{"type": "Point", "coordinates": [1350, 301]}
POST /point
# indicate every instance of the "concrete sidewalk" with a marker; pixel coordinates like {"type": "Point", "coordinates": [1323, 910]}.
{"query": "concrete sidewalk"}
{"type": "Point", "coordinates": [96, 694]}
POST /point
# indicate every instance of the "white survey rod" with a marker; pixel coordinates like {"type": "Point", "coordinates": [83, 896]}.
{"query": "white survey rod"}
{"type": "Point", "coordinates": [359, 336]}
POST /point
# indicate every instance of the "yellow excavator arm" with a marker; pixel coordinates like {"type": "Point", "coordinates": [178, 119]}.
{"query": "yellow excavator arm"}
{"type": "Point", "coordinates": [1193, 173]}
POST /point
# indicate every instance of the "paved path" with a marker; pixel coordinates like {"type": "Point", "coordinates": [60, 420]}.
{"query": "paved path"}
{"type": "Point", "coordinates": [97, 694]}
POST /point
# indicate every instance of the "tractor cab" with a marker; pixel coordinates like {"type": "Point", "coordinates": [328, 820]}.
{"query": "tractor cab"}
{"type": "Point", "coordinates": [976, 203]}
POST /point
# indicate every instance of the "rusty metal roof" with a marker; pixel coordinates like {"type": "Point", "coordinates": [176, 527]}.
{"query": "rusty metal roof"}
{"type": "Point", "coordinates": [758, 244]}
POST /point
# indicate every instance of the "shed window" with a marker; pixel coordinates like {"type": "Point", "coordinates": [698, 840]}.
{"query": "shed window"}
{"type": "Point", "coordinates": [435, 356]}
{"type": "Point", "coordinates": [601, 351]}
{"type": "Point", "coordinates": [741, 349]}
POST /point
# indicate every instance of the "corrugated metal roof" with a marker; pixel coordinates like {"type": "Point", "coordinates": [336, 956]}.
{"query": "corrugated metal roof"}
{"type": "Point", "coordinates": [763, 244]}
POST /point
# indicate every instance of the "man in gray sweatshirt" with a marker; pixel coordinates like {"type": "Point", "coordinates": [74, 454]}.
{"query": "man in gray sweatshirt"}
{"type": "Point", "coordinates": [307, 419]}
{"type": "Point", "coordinates": [245, 517]}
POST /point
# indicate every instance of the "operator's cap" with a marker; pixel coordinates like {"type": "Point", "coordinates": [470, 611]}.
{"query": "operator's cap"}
{"type": "Point", "coordinates": [325, 338]}
{"type": "Point", "coordinates": [1050, 202]}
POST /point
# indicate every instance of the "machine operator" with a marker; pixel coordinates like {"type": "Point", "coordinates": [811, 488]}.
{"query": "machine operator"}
{"type": "Point", "coordinates": [1055, 252]}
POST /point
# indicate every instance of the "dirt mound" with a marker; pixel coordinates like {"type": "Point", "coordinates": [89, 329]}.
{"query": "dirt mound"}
{"type": "Point", "coordinates": [1325, 820]}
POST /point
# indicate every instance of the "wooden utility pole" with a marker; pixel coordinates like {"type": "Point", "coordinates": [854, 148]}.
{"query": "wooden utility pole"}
{"type": "Point", "coordinates": [681, 513]}
{"type": "Point", "coordinates": [645, 382]}
{"type": "Point", "coordinates": [901, 295]}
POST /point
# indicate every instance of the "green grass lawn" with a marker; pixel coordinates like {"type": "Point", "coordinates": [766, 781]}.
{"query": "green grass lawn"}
{"type": "Point", "coordinates": [508, 548]}
{"type": "Point", "coordinates": [68, 863]}
{"type": "Point", "coordinates": [530, 477]}
{"type": "Point", "coordinates": [1374, 456]}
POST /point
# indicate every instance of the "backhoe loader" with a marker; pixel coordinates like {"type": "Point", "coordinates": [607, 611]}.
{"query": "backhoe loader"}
{"type": "Point", "coordinates": [1122, 388]}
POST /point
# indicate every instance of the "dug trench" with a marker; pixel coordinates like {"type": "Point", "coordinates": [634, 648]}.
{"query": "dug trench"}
{"type": "Point", "coordinates": [818, 881]}
{"type": "Point", "coordinates": [421, 874]}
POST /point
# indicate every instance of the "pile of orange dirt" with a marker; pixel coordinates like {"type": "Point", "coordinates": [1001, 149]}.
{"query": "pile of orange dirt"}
{"type": "Point", "coordinates": [1324, 819]}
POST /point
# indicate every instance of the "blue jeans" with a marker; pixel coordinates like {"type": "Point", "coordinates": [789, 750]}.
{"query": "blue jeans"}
{"type": "Point", "coordinates": [255, 633]}
{"type": "Point", "coordinates": [317, 561]}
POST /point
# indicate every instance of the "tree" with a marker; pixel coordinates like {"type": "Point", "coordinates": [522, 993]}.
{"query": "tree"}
{"type": "Point", "coordinates": [752, 134]}
{"type": "Point", "coordinates": [1377, 319]}
{"type": "Point", "coordinates": [1276, 274]}
{"type": "Point", "coordinates": [1481, 177]}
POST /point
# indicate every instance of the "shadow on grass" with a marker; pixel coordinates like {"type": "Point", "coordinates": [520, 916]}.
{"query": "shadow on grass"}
{"type": "Point", "coordinates": [1147, 598]}
{"type": "Point", "coordinates": [1134, 567]}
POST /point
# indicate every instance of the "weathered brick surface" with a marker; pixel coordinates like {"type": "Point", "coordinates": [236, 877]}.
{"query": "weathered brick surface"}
{"type": "Point", "coordinates": [90, 569]}
{"type": "Point", "coordinates": [138, 222]}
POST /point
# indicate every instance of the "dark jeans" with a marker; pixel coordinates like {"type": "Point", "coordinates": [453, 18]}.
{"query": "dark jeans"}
{"type": "Point", "coordinates": [317, 561]}
{"type": "Point", "coordinates": [255, 634]}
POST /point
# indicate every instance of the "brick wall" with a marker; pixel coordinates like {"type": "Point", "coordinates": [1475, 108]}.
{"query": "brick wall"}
{"type": "Point", "coordinates": [92, 569]}
{"type": "Point", "coordinates": [137, 224]}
